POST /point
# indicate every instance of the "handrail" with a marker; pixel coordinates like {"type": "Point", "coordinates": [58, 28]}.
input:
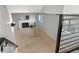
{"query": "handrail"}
{"type": "Point", "coordinates": [70, 38]}
{"type": "Point", "coordinates": [4, 42]}
{"type": "Point", "coordinates": [69, 34]}
{"type": "Point", "coordinates": [71, 24]}
{"type": "Point", "coordinates": [68, 45]}
{"type": "Point", "coordinates": [69, 42]}
{"type": "Point", "coordinates": [71, 19]}
{"type": "Point", "coordinates": [70, 49]}
{"type": "Point", "coordinates": [8, 41]}
{"type": "Point", "coordinates": [75, 28]}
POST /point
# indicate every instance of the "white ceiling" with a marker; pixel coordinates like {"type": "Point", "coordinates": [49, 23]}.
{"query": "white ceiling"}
{"type": "Point", "coordinates": [53, 9]}
{"type": "Point", "coordinates": [24, 8]}
{"type": "Point", "coordinates": [71, 9]}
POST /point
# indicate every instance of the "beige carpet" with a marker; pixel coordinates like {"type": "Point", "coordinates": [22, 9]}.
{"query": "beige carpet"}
{"type": "Point", "coordinates": [34, 40]}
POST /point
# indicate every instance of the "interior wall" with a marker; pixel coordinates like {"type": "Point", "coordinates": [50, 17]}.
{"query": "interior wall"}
{"type": "Point", "coordinates": [21, 16]}
{"type": "Point", "coordinates": [49, 24]}
{"type": "Point", "coordinates": [5, 27]}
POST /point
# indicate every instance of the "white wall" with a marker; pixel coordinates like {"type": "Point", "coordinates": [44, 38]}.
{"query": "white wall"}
{"type": "Point", "coordinates": [53, 9]}
{"type": "Point", "coordinates": [5, 28]}
{"type": "Point", "coordinates": [71, 9]}
{"type": "Point", "coordinates": [21, 16]}
{"type": "Point", "coordinates": [49, 24]}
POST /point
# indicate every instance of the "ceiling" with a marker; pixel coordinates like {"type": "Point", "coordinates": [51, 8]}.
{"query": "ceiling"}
{"type": "Point", "coordinates": [52, 9]}
{"type": "Point", "coordinates": [24, 8]}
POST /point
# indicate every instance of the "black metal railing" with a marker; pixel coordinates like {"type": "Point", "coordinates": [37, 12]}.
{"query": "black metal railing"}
{"type": "Point", "coordinates": [70, 39]}
{"type": "Point", "coordinates": [4, 42]}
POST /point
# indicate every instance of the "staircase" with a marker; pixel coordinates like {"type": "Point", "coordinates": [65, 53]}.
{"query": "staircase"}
{"type": "Point", "coordinates": [7, 46]}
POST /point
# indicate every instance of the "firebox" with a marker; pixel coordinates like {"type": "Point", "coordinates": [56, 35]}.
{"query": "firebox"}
{"type": "Point", "coordinates": [25, 25]}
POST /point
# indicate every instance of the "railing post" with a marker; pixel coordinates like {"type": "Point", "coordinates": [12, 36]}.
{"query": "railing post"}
{"type": "Point", "coordinates": [59, 33]}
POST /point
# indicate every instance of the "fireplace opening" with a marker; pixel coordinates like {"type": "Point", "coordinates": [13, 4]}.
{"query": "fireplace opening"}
{"type": "Point", "coordinates": [25, 25]}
